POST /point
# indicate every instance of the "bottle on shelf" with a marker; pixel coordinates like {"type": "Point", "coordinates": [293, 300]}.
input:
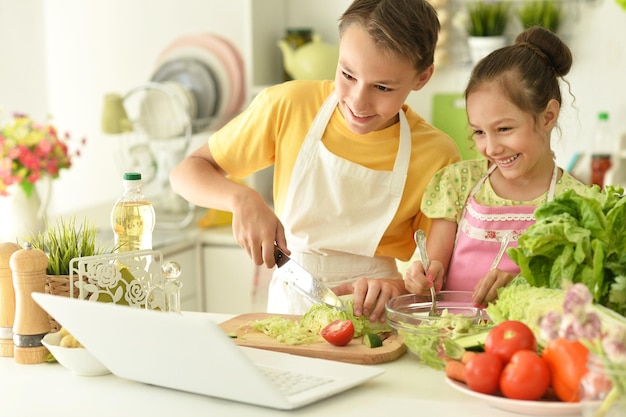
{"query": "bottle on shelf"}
{"type": "Point", "coordinates": [602, 149]}
{"type": "Point", "coordinates": [132, 217]}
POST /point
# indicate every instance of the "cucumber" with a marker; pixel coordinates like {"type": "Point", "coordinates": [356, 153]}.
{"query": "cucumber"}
{"type": "Point", "coordinates": [372, 340]}
{"type": "Point", "coordinates": [474, 341]}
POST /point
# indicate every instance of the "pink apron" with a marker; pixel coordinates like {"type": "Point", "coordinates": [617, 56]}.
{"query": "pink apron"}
{"type": "Point", "coordinates": [480, 235]}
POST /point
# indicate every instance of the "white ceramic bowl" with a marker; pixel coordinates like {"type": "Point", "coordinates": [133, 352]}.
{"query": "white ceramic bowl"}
{"type": "Point", "coordinates": [77, 360]}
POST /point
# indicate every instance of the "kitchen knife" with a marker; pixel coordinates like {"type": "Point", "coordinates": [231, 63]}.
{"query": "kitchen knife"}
{"type": "Point", "coordinates": [312, 288]}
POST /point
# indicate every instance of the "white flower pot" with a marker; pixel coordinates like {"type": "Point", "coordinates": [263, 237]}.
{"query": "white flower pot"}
{"type": "Point", "coordinates": [481, 46]}
{"type": "Point", "coordinates": [20, 215]}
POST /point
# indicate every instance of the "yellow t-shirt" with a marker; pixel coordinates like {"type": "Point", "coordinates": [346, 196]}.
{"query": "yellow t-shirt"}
{"type": "Point", "coordinates": [272, 129]}
{"type": "Point", "coordinates": [447, 192]}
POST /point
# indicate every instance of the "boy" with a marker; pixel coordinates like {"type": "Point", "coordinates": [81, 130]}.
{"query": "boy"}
{"type": "Point", "coordinates": [351, 161]}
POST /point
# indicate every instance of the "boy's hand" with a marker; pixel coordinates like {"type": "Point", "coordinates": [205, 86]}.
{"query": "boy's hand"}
{"type": "Point", "coordinates": [371, 295]}
{"type": "Point", "coordinates": [256, 228]}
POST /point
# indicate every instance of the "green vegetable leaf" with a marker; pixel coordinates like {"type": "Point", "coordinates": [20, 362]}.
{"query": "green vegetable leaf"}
{"type": "Point", "coordinates": [617, 294]}
{"type": "Point", "coordinates": [308, 328]}
{"type": "Point", "coordinates": [524, 302]}
{"type": "Point", "coordinates": [578, 238]}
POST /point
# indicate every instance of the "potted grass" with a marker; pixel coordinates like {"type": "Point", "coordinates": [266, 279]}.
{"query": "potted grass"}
{"type": "Point", "coordinates": [487, 22]}
{"type": "Point", "coordinates": [63, 242]}
{"type": "Point", "coordinates": [545, 13]}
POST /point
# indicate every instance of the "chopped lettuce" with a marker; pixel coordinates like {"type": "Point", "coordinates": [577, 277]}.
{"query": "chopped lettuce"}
{"type": "Point", "coordinates": [308, 328]}
{"type": "Point", "coordinates": [428, 339]}
{"type": "Point", "coordinates": [285, 330]}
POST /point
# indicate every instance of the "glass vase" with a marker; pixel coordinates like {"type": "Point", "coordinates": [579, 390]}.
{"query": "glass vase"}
{"type": "Point", "coordinates": [603, 389]}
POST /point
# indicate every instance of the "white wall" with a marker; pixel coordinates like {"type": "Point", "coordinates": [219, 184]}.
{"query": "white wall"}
{"type": "Point", "coordinates": [22, 63]}
{"type": "Point", "coordinates": [62, 56]}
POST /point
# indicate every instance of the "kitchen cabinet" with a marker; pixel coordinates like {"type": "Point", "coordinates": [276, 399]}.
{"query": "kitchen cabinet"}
{"type": "Point", "coordinates": [188, 256]}
{"type": "Point", "coordinates": [232, 282]}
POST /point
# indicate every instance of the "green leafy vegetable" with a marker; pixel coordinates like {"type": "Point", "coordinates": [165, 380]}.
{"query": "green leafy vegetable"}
{"type": "Point", "coordinates": [428, 339]}
{"type": "Point", "coordinates": [523, 302]}
{"type": "Point", "coordinates": [308, 328]}
{"type": "Point", "coordinates": [578, 238]}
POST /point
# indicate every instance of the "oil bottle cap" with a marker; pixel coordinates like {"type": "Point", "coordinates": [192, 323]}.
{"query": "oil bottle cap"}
{"type": "Point", "coordinates": [132, 176]}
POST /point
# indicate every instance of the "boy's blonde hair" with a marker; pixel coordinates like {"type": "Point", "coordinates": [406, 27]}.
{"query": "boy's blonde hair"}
{"type": "Point", "coordinates": [407, 29]}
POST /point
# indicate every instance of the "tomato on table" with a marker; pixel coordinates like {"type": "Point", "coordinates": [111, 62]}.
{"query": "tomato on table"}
{"type": "Point", "coordinates": [339, 332]}
{"type": "Point", "coordinates": [482, 373]}
{"type": "Point", "coordinates": [525, 377]}
{"type": "Point", "coordinates": [509, 337]}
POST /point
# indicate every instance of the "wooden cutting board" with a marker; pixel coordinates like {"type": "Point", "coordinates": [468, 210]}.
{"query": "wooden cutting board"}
{"type": "Point", "coordinates": [354, 352]}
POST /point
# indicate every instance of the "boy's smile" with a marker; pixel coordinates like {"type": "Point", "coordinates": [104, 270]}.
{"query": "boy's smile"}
{"type": "Point", "coordinates": [371, 84]}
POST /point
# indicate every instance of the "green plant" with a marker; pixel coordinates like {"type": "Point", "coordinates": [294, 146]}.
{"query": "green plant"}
{"type": "Point", "coordinates": [545, 13]}
{"type": "Point", "coordinates": [487, 18]}
{"type": "Point", "coordinates": [65, 241]}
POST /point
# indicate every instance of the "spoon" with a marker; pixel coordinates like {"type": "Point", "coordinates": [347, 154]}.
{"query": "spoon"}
{"type": "Point", "coordinates": [420, 240]}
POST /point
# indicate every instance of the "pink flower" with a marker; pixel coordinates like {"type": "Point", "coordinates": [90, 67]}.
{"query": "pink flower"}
{"type": "Point", "coordinates": [44, 147]}
{"type": "Point", "coordinates": [29, 150]}
{"type": "Point", "coordinates": [34, 176]}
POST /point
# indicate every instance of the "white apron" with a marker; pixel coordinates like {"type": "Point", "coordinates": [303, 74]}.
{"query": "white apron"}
{"type": "Point", "coordinates": [336, 213]}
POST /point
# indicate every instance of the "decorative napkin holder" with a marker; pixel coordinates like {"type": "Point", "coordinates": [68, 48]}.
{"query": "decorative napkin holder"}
{"type": "Point", "coordinates": [137, 279]}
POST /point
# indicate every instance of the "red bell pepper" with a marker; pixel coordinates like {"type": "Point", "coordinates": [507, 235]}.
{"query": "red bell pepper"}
{"type": "Point", "coordinates": [567, 361]}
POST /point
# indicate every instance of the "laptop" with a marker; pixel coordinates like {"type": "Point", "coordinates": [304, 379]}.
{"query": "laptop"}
{"type": "Point", "coordinates": [190, 352]}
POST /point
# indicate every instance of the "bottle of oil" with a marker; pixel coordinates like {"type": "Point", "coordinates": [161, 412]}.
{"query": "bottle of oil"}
{"type": "Point", "coordinates": [132, 217]}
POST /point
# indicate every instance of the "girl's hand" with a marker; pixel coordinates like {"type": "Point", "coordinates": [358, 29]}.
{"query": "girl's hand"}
{"type": "Point", "coordinates": [371, 295]}
{"type": "Point", "coordinates": [418, 281]}
{"type": "Point", "coordinates": [487, 288]}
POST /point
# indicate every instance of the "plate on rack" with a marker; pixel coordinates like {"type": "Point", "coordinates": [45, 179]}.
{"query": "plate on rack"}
{"type": "Point", "coordinates": [223, 57]}
{"type": "Point", "coordinates": [531, 408]}
{"type": "Point", "coordinates": [196, 77]}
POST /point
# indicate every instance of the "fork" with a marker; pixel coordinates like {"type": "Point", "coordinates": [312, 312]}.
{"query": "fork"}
{"type": "Point", "coordinates": [420, 240]}
{"type": "Point", "coordinates": [503, 245]}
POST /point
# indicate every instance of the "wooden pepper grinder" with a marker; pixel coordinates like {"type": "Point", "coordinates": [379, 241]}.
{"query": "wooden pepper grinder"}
{"type": "Point", "coordinates": [28, 266]}
{"type": "Point", "coordinates": [7, 299]}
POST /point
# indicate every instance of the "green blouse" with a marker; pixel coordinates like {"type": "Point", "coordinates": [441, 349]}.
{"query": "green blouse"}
{"type": "Point", "coordinates": [447, 192]}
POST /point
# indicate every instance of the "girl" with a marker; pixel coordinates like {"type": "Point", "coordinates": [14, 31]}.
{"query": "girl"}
{"type": "Point", "coordinates": [480, 207]}
{"type": "Point", "coordinates": [351, 161]}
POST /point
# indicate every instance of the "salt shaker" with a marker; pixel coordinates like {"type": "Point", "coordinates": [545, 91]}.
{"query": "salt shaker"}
{"type": "Point", "coordinates": [7, 299]}
{"type": "Point", "coordinates": [28, 267]}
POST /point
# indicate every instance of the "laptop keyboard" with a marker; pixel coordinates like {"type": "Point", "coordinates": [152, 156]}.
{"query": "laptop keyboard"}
{"type": "Point", "coordinates": [290, 383]}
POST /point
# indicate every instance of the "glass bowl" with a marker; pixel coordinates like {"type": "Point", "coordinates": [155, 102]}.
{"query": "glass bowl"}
{"type": "Point", "coordinates": [425, 336]}
{"type": "Point", "coordinates": [78, 360]}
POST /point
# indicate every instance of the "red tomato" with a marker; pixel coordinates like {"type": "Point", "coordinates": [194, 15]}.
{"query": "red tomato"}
{"type": "Point", "coordinates": [508, 337]}
{"type": "Point", "coordinates": [482, 373]}
{"type": "Point", "coordinates": [525, 377]}
{"type": "Point", "coordinates": [339, 332]}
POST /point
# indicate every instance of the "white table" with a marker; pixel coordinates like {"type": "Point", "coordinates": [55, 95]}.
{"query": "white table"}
{"type": "Point", "coordinates": [406, 388]}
